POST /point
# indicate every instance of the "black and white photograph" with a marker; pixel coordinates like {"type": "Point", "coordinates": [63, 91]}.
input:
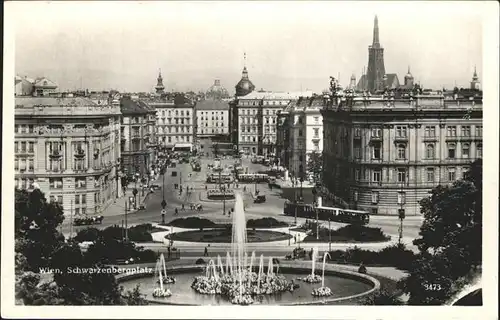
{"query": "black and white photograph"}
{"type": "Point", "coordinates": [290, 157]}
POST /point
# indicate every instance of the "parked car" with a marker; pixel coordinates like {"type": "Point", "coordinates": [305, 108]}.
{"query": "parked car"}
{"type": "Point", "coordinates": [259, 199]}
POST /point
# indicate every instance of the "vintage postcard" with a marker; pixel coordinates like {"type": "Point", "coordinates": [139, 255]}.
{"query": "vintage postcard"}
{"type": "Point", "coordinates": [305, 160]}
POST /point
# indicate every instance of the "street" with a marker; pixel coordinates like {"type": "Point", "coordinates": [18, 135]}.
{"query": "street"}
{"type": "Point", "coordinates": [273, 207]}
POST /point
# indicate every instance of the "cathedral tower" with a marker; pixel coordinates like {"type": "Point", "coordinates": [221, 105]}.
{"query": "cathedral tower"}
{"type": "Point", "coordinates": [376, 68]}
{"type": "Point", "coordinates": [475, 84]}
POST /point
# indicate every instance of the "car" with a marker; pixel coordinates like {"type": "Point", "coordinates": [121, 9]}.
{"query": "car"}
{"type": "Point", "coordinates": [259, 199]}
{"type": "Point", "coordinates": [156, 187]}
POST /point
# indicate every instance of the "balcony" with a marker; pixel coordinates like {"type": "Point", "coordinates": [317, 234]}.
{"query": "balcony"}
{"type": "Point", "coordinates": [375, 138]}
{"type": "Point", "coordinates": [401, 139]}
{"type": "Point", "coordinates": [316, 138]}
{"type": "Point", "coordinates": [55, 154]}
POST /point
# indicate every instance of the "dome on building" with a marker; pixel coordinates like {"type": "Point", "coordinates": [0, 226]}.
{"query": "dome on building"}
{"type": "Point", "coordinates": [244, 86]}
{"type": "Point", "coordinates": [409, 75]}
{"type": "Point", "coordinates": [217, 91]}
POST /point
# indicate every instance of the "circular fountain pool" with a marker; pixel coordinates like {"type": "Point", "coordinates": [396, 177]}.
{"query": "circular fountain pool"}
{"type": "Point", "coordinates": [345, 286]}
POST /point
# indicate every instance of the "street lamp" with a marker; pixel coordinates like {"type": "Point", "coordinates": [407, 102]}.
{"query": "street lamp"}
{"type": "Point", "coordinates": [401, 213]}
{"type": "Point", "coordinates": [135, 192]}
{"type": "Point", "coordinates": [163, 202]}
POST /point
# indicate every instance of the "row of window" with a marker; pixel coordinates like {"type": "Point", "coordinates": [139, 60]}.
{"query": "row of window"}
{"type": "Point", "coordinates": [169, 113]}
{"type": "Point", "coordinates": [216, 118]}
{"type": "Point", "coordinates": [430, 151]}
{"type": "Point", "coordinates": [402, 175]}
{"type": "Point", "coordinates": [185, 129]}
{"type": "Point", "coordinates": [24, 128]}
{"type": "Point", "coordinates": [216, 130]}
{"type": "Point", "coordinates": [429, 131]}
{"type": "Point", "coordinates": [376, 197]}
{"type": "Point", "coordinates": [177, 121]}
{"type": "Point", "coordinates": [267, 103]}
{"type": "Point", "coordinates": [213, 112]}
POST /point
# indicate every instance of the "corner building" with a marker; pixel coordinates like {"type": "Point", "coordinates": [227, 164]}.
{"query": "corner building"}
{"type": "Point", "coordinates": [382, 154]}
{"type": "Point", "coordinates": [69, 147]}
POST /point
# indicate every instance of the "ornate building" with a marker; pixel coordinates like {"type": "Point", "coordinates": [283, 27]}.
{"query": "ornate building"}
{"type": "Point", "coordinates": [383, 154]}
{"type": "Point", "coordinates": [137, 137]}
{"type": "Point", "coordinates": [174, 120]}
{"type": "Point", "coordinates": [68, 146]}
{"type": "Point", "coordinates": [255, 117]}
{"type": "Point", "coordinates": [299, 133]}
{"type": "Point", "coordinates": [376, 80]}
{"type": "Point", "coordinates": [212, 118]}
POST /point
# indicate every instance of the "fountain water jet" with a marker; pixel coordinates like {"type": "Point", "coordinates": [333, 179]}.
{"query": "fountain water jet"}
{"type": "Point", "coordinates": [219, 263]}
{"type": "Point", "coordinates": [161, 273]}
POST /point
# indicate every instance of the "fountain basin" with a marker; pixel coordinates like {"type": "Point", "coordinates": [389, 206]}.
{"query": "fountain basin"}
{"type": "Point", "coordinates": [345, 285]}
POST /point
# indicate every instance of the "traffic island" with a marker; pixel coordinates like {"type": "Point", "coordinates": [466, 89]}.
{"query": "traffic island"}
{"type": "Point", "coordinates": [224, 235]}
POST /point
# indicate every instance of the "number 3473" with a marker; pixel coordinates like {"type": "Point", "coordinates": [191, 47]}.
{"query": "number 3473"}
{"type": "Point", "coordinates": [432, 286]}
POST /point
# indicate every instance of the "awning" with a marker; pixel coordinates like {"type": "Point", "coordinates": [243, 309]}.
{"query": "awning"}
{"type": "Point", "coordinates": [183, 145]}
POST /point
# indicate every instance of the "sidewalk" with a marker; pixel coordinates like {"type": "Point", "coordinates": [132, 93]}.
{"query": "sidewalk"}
{"type": "Point", "coordinates": [118, 207]}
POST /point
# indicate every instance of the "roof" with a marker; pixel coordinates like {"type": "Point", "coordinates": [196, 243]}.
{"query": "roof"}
{"type": "Point", "coordinates": [44, 82]}
{"type": "Point", "coordinates": [28, 101]}
{"type": "Point", "coordinates": [392, 80]}
{"type": "Point", "coordinates": [270, 95]}
{"type": "Point", "coordinates": [211, 105]}
{"type": "Point", "coordinates": [131, 107]}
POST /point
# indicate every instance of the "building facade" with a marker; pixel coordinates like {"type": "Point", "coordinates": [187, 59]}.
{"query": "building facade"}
{"type": "Point", "coordinates": [174, 121]}
{"type": "Point", "coordinates": [212, 118]}
{"type": "Point", "coordinates": [383, 154]}
{"type": "Point", "coordinates": [256, 119]}
{"type": "Point", "coordinates": [136, 134]}
{"type": "Point", "coordinates": [302, 124]}
{"type": "Point", "coordinates": [68, 147]}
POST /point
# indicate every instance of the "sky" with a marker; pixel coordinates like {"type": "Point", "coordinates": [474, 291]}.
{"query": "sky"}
{"type": "Point", "coordinates": [290, 46]}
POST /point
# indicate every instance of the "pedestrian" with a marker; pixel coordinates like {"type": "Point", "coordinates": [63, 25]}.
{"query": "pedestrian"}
{"type": "Point", "coordinates": [183, 207]}
{"type": "Point", "coordinates": [176, 211]}
{"type": "Point", "coordinates": [206, 187]}
{"type": "Point", "coordinates": [362, 268]}
{"type": "Point", "coordinates": [311, 254]}
{"type": "Point", "coordinates": [206, 252]}
{"type": "Point", "coordinates": [169, 253]}
{"type": "Point", "coordinates": [295, 239]}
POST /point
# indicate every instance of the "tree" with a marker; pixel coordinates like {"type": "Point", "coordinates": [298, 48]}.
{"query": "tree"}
{"type": "Point", "coordinates": [39, 245]}
{"type": "Point", "coordinates": [450, 242]}
{"type": "Point", "coordinates": [315, 165]}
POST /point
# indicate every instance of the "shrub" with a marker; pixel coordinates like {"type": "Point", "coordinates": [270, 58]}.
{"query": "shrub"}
{"type": "Point", "coordinates": [192, 223]}
{"type": "Point", "coordinates": [362, 233]}
{"type": "Point", "coordinates": [395, 255]}
{"type": "Point", "coordinates": [200, 261]}
{"type": "Point", "coordinates": [89, 234]}
{"type": "Point", "coordinates": [383, 298]}
{"type": "Point", "coordinates": [265, 223]}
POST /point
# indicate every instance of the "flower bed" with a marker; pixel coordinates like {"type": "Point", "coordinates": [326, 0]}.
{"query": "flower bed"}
{"type": "Point", "coordinates": [311, 278]}
{"type": "Point", "coordinates": [219, 195]}
{"type": "Point", "coordinates": [349, 233]}
{"type": "Point", "coordinates": [322, 292]}
{"type": "Point", "coordinates": [161, 293]}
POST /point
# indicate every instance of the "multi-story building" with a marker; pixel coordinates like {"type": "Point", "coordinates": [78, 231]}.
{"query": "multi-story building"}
{"type": "Point", "coordinates": [301, 124]}
{"type": "Point", "coordinates": [383, 154]}
{"type": "Point", "coordinates": [68, 147]}
{"type": "Point", "coordinates": [136, 131]}
{"type": "Point", "coordinates": [174, 121]}
{"type": "Point", "coordinates": [212, 118]}
{"type": "Point", "coordinates": [256, 115]}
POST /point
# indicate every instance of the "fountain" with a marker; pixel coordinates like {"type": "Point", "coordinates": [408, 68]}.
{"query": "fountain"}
{"type": "Point", "coordinates": [240, 284]}
{"type": "Point", "coordinates": [243, 280]}
{"type": "Point", "coordinates": [161, 273]}
{"type": "Point", "coordinates": [313, 277]}
{"type": "Point", "coordinates": [323, 291]}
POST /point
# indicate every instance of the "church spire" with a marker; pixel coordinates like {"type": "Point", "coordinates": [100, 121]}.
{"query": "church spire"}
{"type": "Point", "coordinates": [376, 40]}
{"type": "Point", "coordinates": [245, 72]}
{"type": "Point", "coordinates": [159, 84]}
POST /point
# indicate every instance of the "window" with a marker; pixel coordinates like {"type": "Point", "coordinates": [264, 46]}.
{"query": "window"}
{"type": "Point", "coordinates": [430, 151]}
{"type": "Point", "coordinates": [451, 174]}
{"type": "Point", "coordinates": [357, 132]}
{"type": "Point", "coordinates": [80, 183]}
{"type": "Point", "coordinates": [316, 119]}
{"type": "Point", "coordinates": [316, 132]}
{"type": "Point", "coordinates": [430, 131]}
{"type": "Point", "coordinates": [300, 132]}
{"type": "Point", "coordinates": [401, 151]}
{"type": "Point", "coordinates": [16, 147]}
{"type": "Point", "coordinates": [430, 174]}
{"type": "Point", "coordinates": [479, 131]}
{"type": "Point", "coordinates": [451, 131]}
{"type": "Point", "coordinates": [377, 174]}
{"type": "Point", "coordinates": [376, 132]}
{"type": "Point", "coordinates": [31, 165]}
{"type": "Point", "coordinates": [465, 151]}
{"type": "Point", "coordinates": [375, 197]}
{"type": "Point", "coordinates": [357, 175]}
{"type": "Point", "coordinates": [30, 128]}
{"type": "Point", "coordinates": [55, 183]}
{"type": "Point", "coordinates": [377, 151]}
{"type": "Point", "coordinates": [16, 164]}
{"type": "Point", "coordinates": [401, 175]}
{"type": "Point", "coordinates": [466, 131]}
{"type": "Point", "coordinates": [316, 145]}
{"type": "Point", "coordinates": [451, 150]}
{"type": "Point", "coordinates": [401, 131]}
{"type": "Point", "coordinates": [479, 151]}
{"type": "Point", "coordinates": [23, 147]}
{"type": "Point", "coordinates": [401, 198]}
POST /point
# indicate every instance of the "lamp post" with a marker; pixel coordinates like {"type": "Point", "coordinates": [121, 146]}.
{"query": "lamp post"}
{"type": "Point", "coordinates": [135, 192]}
{"type": "Point", "coordinates": [163, 202]}
{"type": "Point", "coordinates": [329, 236]}
{"type": "Point", "coordinates": [401, 213]}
